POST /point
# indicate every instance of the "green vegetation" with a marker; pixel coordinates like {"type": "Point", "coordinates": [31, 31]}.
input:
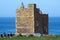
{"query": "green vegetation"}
{"type": "Point", "coordinates": [50, 37]}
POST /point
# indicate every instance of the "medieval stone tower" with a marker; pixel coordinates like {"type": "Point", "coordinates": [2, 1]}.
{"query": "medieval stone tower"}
{"type": "Point", "coordinates": [31, 20]}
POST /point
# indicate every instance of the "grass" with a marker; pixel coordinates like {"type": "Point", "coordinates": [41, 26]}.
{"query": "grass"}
{"type": "Point", "coordinates": [32, 38]}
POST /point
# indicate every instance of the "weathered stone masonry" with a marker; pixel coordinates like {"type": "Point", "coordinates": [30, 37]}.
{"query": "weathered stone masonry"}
{"type": "Point", "coordinates": [31, 20]}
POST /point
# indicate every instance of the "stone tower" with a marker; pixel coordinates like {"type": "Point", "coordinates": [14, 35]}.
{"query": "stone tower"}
{"type": "Point", "coordinates": [31, 20]}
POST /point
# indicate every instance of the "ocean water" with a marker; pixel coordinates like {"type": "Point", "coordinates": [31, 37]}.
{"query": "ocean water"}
{"type": "Point", "coordinates": [54, 25]}
{"type": "Point", "coordinates": [7, 25]}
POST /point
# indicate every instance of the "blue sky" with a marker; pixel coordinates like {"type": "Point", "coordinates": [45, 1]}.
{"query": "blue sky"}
{"type": "Point", "coordinates": [8, 7]}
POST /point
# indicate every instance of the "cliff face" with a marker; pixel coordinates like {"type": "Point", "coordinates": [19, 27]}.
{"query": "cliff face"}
{"type": "Point", "coordinates": [31, 20]}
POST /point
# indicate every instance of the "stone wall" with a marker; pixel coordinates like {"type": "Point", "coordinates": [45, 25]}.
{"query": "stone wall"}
{"type": "Point", "coordinates": [31, 20]}
{"type": "Point", "coordinates": [25, 20]}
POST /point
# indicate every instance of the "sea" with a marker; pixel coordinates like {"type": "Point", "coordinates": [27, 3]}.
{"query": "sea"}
{"type": "Point", "coordinates": [54, 25]}
{"type": "Point", "coordinates": [8, 25]}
